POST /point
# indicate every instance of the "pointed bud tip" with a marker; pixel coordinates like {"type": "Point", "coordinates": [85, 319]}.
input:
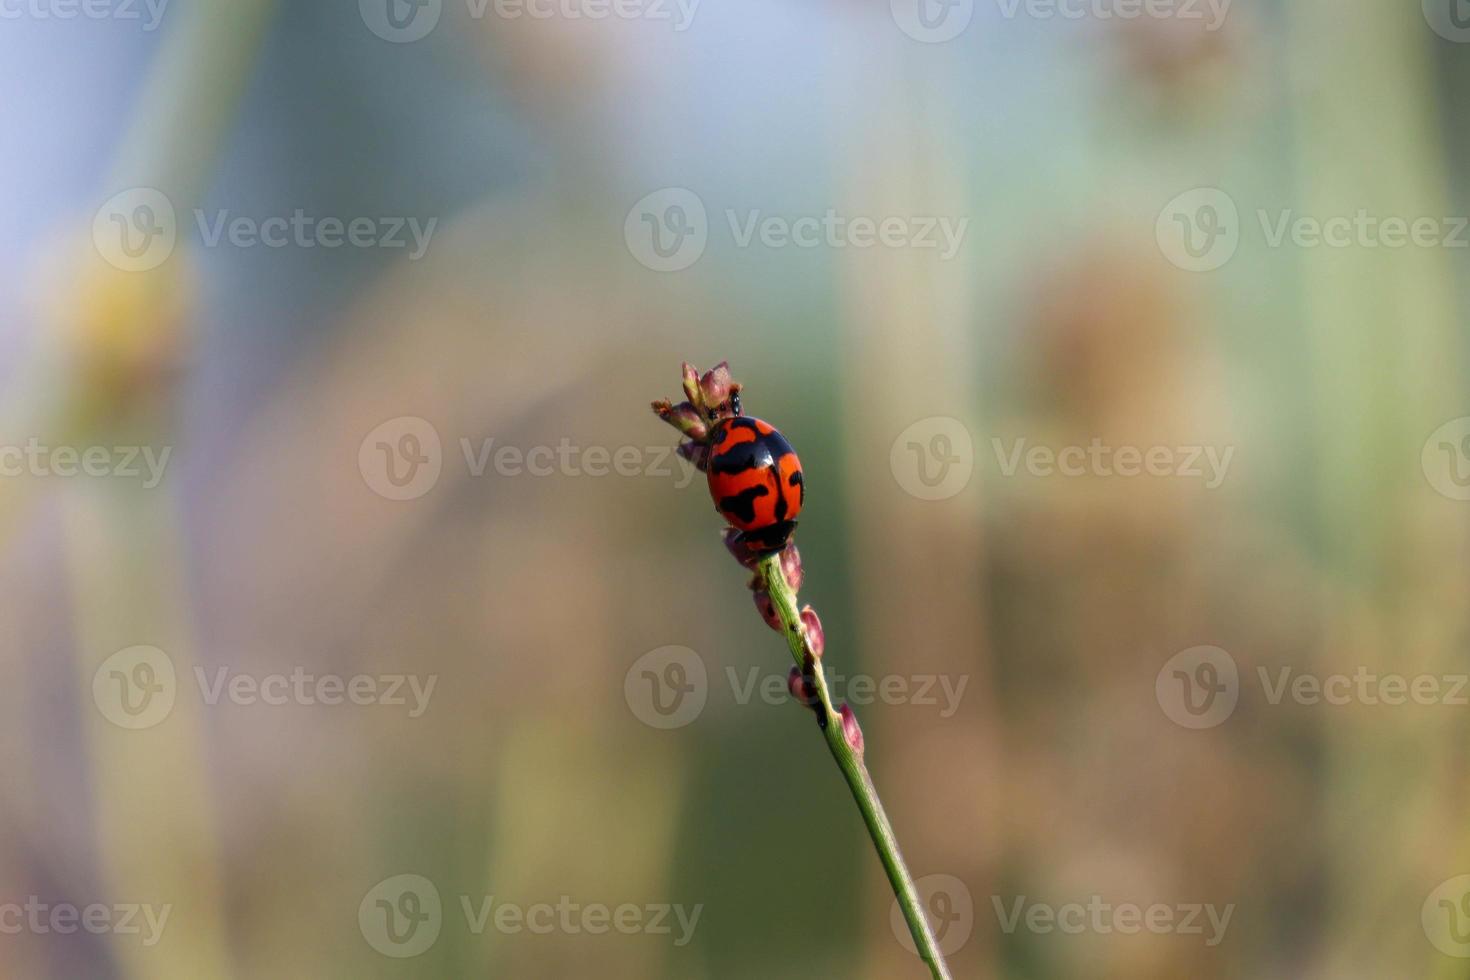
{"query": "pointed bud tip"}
{"type": "Point", "coordinates": [851, 731]}
{"type": "Point", "coordinates": [683, 417]}
{"type": "Point", "coordinates": [811, 628]}
{"type": "Point", "coordinates": [767, 609]}
{"type": "Point", "coordinates": [801, 688]}
{"type": "Point", "coordinates": [735, 544]}
{"type": "Point", "coordinates": [716, 384]}
{"type": "Point", "coordinates": [691, 384]}
{"type": "Point", "coordinates": [791, 568]}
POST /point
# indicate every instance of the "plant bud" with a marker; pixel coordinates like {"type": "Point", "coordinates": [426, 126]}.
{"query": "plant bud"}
{"type": "Point", "coordinates": [791, 567]}
{"type": "Point", "coordinates": [767, 609]}
{"type": "Point", "coordinates": [691, 385]}
{"type": "Point", "coordinates": [811, 627]}
{"type": "Point", "coordinates": [735, 544]}
{"type": "Point", "coordinates": [715, 385]}
{"type": "Point", "coordinates": [850, 730]}
{"type": "Point", "coordinates": [683, 417]}
{"type": "Point", "coordinates": [801, 688]}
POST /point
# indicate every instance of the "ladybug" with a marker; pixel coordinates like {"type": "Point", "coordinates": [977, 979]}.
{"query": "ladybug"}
{"type": "Point", "coordinates": [755, 479]}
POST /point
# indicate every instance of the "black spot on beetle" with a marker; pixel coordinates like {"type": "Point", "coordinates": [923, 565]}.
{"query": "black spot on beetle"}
{"type": "Point", "coordinates": [742, 505]}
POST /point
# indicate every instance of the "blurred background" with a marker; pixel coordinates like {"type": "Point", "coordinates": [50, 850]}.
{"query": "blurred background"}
{"type": "Point", "coordinates": [356, 620]}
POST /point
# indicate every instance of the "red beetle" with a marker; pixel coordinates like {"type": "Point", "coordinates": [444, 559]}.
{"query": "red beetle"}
{"type": "Point", "coordinates": [755, 479]}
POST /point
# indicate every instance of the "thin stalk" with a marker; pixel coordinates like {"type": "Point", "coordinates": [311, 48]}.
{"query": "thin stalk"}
{"type": "Point", "coordinates": [850, 761]}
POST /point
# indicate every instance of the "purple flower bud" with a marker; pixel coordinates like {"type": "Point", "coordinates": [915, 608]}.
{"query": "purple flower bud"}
{"type": "Point", "coordinates": [801, 687]}
{"type": "Point", "coordinates": [691, 385]}
{"type": "Point", "coordinates": [715, 385]}
{"type": "Point", "coordinates": [735, 544]}
{"type": "Point", "coordinates": [791, 567]}
{"type": "Point", "coordinates": [767, 609]}
{"type": "Point", "coordinates": [683, 417]}
{"type": "Point", "coordinates": [850, 730]}
{"type": "Point", "coordinates": [811, 627]}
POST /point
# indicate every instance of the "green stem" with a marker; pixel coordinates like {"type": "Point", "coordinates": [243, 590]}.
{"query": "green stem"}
{"type": "Point", "coordinates": [855, 772]}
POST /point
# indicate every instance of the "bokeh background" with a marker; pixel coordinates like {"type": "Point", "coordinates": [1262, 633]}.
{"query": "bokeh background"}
{"type": "Point", "coordinates": [433, 460]}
